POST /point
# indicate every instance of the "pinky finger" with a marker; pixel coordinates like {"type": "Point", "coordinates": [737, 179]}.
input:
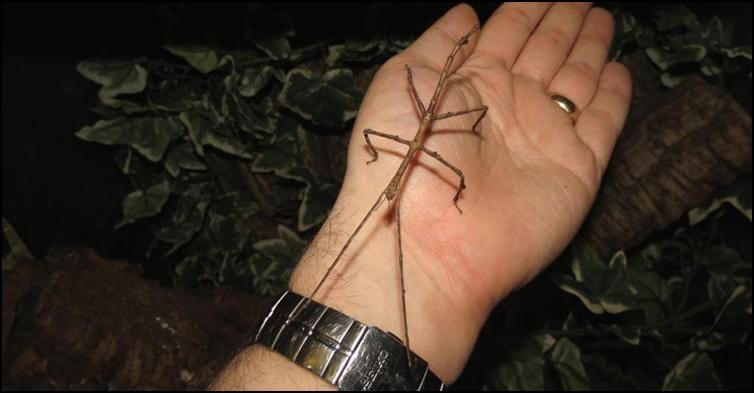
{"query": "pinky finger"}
{"type": "Point", "coordinates": [601, 122]}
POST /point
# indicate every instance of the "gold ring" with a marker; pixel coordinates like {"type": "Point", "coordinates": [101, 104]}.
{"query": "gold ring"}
{"type": "Point", "coordinates": [567, 105]}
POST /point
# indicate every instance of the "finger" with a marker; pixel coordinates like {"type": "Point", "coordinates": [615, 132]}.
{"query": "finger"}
{"type": "Point", "coordinates": [577, 79]}
{"type": "Point", "coordinates": [506, 31]}
{"type": "Point", "coordinates": [549, 45]}
{"type": "Point", "coordinates": [438, 41]}
{"type": "Point", "coordinates": [602, 121]}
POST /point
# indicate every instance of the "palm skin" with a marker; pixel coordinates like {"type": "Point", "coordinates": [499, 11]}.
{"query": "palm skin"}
{"type": "Point", "coordinates": [531, 173]}
{"type": "Point", "coordinates": [520, 184]}
{"type": "Point", "coordinates": [530, 178]}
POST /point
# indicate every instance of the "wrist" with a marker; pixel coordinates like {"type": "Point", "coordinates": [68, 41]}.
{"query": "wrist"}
{"type": "Point", "coordinates": [365, 285]}
{"type": "Point", "coordinates": [270, 371]}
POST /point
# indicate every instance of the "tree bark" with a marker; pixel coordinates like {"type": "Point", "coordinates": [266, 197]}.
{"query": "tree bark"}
{"type": "Point", "coordinates": [76, 321]}
{"type": "Point", "coordinates": [676, 150]}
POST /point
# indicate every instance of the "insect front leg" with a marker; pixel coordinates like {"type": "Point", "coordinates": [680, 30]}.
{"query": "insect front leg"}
{"type": "Point", "coordinates": [417, 100]}
{"type": "Point", "coordinates": [372, 150]}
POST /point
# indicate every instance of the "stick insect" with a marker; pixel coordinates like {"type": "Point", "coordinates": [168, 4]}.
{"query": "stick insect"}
{"type": "Point", "coordinates": [393, 189]}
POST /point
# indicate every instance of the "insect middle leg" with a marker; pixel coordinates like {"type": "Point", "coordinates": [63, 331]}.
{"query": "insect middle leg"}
{"type": "Point", "coordinates": [482, 109]}
{"type": "Point", "coordinates": [461, 185]}
{"type": "Point", "coordinates": [372, 150]}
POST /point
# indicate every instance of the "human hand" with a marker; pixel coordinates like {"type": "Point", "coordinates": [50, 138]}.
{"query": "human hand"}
{"type": "Point", "coordinates": [531, 177]}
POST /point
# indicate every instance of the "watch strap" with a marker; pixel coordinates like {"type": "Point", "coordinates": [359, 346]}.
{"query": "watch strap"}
{"type": "Point", "coordinates": [341, 350]}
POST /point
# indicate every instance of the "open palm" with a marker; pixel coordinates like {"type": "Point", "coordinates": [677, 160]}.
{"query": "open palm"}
{"type": "Point", "coordinates": [531, 176]}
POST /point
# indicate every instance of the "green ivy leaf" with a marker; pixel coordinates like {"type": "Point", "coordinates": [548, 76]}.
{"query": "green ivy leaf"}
{"type": "Point", "coordinates": [670, 81]}
{"type": "Point", "coordinates": [331, 100]}
{"type": "Point", "coordinates": [200, 57]}
{"type": "Point", "coordinates": [123, 157]}
{"type": "Point", "coordinates": [187, 271]}
{"type": "Point", "coordinates": [351, 52]}
{"type": "Point", "coordinates": [625, 26]}
{"type": "Point", "coordinates": [220, 244]}
{"type": "Point", "coordinates": [298, 174]}
{"type": "Point", "coordinates": [116, 76]}
{"type": "Point", "coordinates": [673, 16]}
{"type": "Point", "coordinates": [625, 23]}
{"type": "Point", "coordinates": [738, 194]}
{"type": "Point", "coordinates": [14, 249]}
{"type": "Point", "coordinates": [182, 156]}
{"type": "Point", "coordinates": [105, 111]}
{"type": "Point", "coordinates": [274, 159]}
{"type": "Point", "coordinates": [286, 129]}
{"type": "Point", "coordinates": [234, 204]}
{"type": "Point", "coordinates": [713, 34]}
{"type": "Point", "coordinates": [147, 135]}
{"type": "Point", "coordinates": [566, 358]}
{"type": "Point", "coordinates": [360, 52]}
{"type": "Point", "coordinates": [141, 203]}
{"type": "Point", "coordinates": [710, 68]}
{"type": "Point", "coordinates": [187, 217]}
{"type": "Point", "coordinates": [601, 288]}
{"type": "Point", "coordinates": [687, 54]}
{"type": "Point", "coordinates": [128, 107]}
{"type": "Point", "coordinates": [629, 334]}
{"type": "Point", "coordinates": [524, 366]}
{"type": "Point", "coordinates": [177, 95]}
{"type": "Point", "coordinates": [203, 132]}
{"type": "Point", "coordinates": [285, 249]}
{"type": "Point", "coordinates": [291, 239]}
{"type": "Point", "coordinates": [228, 233]}
{"type": "Point", "coordinates": [275, 46]}
{"type": "Point", "coordinates": [737, 51]}
{"type": "Point", "coordinates": [269, 31]}
{"type": "Point", "coordinates": [281, 156]}
{"type": "Point", "coordinates": [651, 292]}
{"type": "Point", "coordinates": [274, 249]}
{"type": "Point", "coordinates": [730, 324]}
{"type": "Point", "coordinates": [316, 202]}
{"type": "Point", "coordinates": [250, 118]}
{"type": "Point", "coordinates": [694, 372]}
{"type": "Point", "coordinates": [255, 79]}
{"type": "Point", "coordinates": [217, 100]}
{"type": "Point", "coordinates": [269, 277]}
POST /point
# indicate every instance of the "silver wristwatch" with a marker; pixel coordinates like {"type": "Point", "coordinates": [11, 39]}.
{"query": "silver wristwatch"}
{"type": "Point", "coordinates": [341, 350]}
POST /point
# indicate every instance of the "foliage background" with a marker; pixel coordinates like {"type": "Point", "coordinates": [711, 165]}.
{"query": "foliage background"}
{"type": "Point", "coordinates": [247, 82]}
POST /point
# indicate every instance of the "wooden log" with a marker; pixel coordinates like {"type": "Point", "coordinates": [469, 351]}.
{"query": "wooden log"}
{"type": "Point", "coordinates": [676, 150]}
{"type": "Point", "coordinates": [82, 322]}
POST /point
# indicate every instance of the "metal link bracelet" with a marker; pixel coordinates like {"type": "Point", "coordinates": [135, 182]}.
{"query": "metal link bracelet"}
{"type": "Point", "coordinates": [341, 350]}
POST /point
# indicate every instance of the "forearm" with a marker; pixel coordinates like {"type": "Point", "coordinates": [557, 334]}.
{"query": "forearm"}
{"type": "Point", "coordinates": [365, 285]}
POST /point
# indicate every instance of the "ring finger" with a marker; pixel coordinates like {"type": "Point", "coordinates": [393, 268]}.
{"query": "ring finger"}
{"type": "Point", "coordinates": [578, 77]}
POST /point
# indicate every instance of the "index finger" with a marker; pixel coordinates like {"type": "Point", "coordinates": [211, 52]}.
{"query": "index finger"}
{"type": "Point", "coordinates": [507, 30]}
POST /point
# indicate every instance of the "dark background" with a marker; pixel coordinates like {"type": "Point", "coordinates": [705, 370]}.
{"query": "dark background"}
{"type": "Point", "coordinates": [60, 190]}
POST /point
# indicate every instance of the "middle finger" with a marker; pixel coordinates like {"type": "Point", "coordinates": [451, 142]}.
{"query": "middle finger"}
{"type": "Point", "coordinates": [549, 45]}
